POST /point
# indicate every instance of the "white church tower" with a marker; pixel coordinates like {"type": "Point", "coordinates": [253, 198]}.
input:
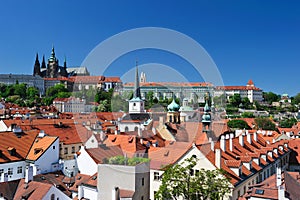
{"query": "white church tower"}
{"type": "Point", "coordinates": [136, 104]}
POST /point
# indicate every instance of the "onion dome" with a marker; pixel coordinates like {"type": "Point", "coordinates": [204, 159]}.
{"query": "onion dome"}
{"type": "Point", "coordinates": [173, 107]}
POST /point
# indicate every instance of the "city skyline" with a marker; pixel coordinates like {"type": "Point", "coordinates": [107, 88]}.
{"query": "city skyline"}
{"type": "Point", "coordinates": [249, 40]}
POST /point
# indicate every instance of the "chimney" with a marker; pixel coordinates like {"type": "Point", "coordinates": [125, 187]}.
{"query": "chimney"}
{"type": "Point", "coordinates": [116, 194]}
{"type": "Point", "coordinates": [249, 138]}
{"type": "Point", "coordinates": [218, 158]}
{"type": "Point", "coordinates": [41, 134]}
{"type": "Point", "coordinates": [223, 143]}
{"type": "Point", "coordinates": [230, 142]}
{"type": "Point", "coordinates": [139, 132]}
{"type": "Point", "coordinates": [241, 140]}
{"type": "Point", "coordinates": [255, 136]}
{"type": "Point", "coordinates": [212, 144]}
{"type": "Point", "coordinates": [161, 121]}
{"type": "Point", "coordinates": [28, 174]}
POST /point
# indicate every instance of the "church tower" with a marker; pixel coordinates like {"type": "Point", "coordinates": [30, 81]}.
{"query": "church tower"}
{"type": "Point", "coordinates": [43, 66]}
{"type": "Point", "coordinates": [173, 115]}
{"type": "Point", "coordinates": [37, 66]}
{"type": "Point", "coordinates": [206, 117]}
{"type": "Point", "coordinates": [52, 67]}
{"type": "Point", "coordinates": [136, 104]}
{"type": "Point", "coordinates": [63, 70]}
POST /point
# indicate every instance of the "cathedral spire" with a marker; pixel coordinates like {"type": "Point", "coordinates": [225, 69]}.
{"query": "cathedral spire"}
{"type": "Point", "coordinates": [65, 62]}
{"type": "Point", "coordinates": [36, 68]}
{"type": "Point", "coordinates": [43, 63]}
{"type": "Point", "coordinates": [137, 91]}
{"type": "Point", "coordinates": [52, 57]}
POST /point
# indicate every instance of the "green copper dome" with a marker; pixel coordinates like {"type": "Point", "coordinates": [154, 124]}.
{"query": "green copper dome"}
{"type": "Point", "coordinates": [173, 106]}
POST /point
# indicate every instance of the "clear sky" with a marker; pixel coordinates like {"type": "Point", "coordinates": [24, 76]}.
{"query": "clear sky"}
{"type": "Point", "coordinates": [249, 39]}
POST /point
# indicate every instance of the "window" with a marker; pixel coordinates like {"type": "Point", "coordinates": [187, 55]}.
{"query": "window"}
{"type": "Point", "coordinates": [52, 197]}
{"type": "Point", "coordinates": [19, 170]}
{"type": "Point", "coordinates": [143, 181]}
{"type": "Point", "coordinates": [53, 147]}
{"type": "Point", "coordinates": [142, 198]}
{"type": "Point", "coordinates": [66, 150]}
{"type": "Point", "coordinates": [156, 176]}
{"type": "Point", "coordinates": [1, 171]}
{"type": "Point", "coordinates": [191, 172]}
{"type": "Point", "coordinates": [10, 171]}
{"type": "Point", "coordinates": [73, 149]}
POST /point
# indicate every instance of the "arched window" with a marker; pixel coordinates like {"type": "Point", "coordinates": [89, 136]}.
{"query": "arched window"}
{"type": "Point", "coordinates": [126, 128]}
{"type": "Point", "coordinates": [52, 197]}
{"type": "Point", "coordinates": [136, 128]}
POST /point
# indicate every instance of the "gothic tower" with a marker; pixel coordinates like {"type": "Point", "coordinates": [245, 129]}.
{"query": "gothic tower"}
{"type": "Point", "coordinates": [37, 66]}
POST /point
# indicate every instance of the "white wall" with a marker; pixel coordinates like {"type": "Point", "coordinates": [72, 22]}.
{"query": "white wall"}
{"type": "Point", "coordinates": [91, 142]}
{"type": "Point", "coordinates": [58, 194]}
{"type": "Point", "coordinates": [46, 161]}
{"type": "Point", "coordinates": [3, 127]}
{"type": "Point", "coordinates": [86, 165]}
{"type": "Point", "coordinates": [203, 162]}
{"type": "Point", "coordinates": [15, 166]}
{"type": "Point", "coordinates": [123, 177]}
{"type": "Point", "coordinates": [87, 192]}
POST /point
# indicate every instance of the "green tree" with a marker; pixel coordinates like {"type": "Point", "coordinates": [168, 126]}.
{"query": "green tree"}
{"type": "Point", "coordinates": [32, 93]}
{"type": "Point", "coordinates": [296, 99]}
{"type": "Point", "coordinates": [287, 123]}
{"type": "Point", "coordinates": [271, 97]}
{"type": "Point", "coordinates": [181, 180]}
{"type": "Point", "coordinates": [20, 89]}
{"type": "Point", "coordinates": [239, 124]}
{"type": "Point", "coordinates": [247, 115]}
{"type": "Point", "coordinates": [264, 123]}
{"type": "Point", "coordinates": [235, 100]}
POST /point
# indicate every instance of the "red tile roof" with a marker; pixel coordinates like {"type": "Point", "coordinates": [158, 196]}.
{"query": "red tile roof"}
{"type": "Point", "coordinates": [99, 154]}
{"type": "Point", "coordinates": [22, 145]}
{"type": "Point", "coordinates": [34, 190]}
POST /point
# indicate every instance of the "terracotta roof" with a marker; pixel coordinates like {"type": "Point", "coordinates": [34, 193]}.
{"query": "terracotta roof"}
{"type": "Point", "coordinates": [34, 190]}
{"type": "Point", "coordinates": [233, 163]}
{"type": "Point", "coordinates": [126, 193]}
{"type": "Point", "coordinates": [98, 154]}
{"type": "Point", "coordinates": [78, 179]}
{"type": "Point", "coordinates": [92, 181]}
{"type": "Point", "coordinates": [128, 145]}
{"type": "Point", "coordinates": [94, 79]}
{"type": "Point", "coordinates": [54, 178]}
{"type": "Point", "coordinates": [168, 155]}
{"type": "Point", "coordinates": [21, 145]}
{"type": "Point", "coordinates": [295, 151]}
{"type": "Point", "coordinates": [39, 146]}
{"type": "Point", "coordinates": [250, 82]}
{"type": "Point", "coordinates": [237, 88]}
{"type": "Point", "coordinates": [8, 189]}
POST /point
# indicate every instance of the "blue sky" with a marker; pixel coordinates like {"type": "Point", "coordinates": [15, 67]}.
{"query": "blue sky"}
{"type": "Point", "coordinates": [258, 40]}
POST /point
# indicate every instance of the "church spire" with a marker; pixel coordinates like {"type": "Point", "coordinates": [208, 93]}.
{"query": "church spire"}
{"type": "Point", "coordinates": [52, 57]}
{"type": "Point", "coordinates": [137, 91]}
{"type": "Point", "coordinates": [36, 68]}
{"type": "Point", "coordinates": [65, 63]}
{"type": "Point", "coordinates": [43, 63]}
